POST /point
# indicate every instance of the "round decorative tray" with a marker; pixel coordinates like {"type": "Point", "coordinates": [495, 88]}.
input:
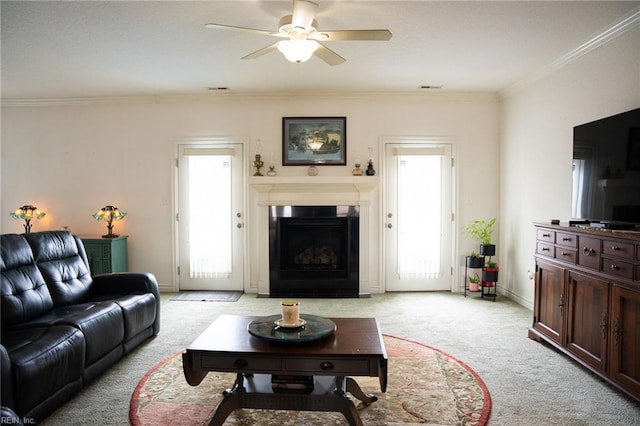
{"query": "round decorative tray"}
{"type": "Point", "coordinates": [311, 327]}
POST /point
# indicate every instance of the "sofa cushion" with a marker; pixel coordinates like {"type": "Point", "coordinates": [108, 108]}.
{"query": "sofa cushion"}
{"type": "Point", "coordinates": [63, 263]}
{"type": "Point", "coordinates": [24, 293]}
{"type": "Point", "coordinates": [43, 360]}
{"type": "Point", "coordinates": [102, 325]}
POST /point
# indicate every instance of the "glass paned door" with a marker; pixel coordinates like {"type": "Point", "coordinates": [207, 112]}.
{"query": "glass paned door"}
{"type": "Point", "coordinates": [210, 217]}
{"type": "Point", "coordinates": [418, 217]}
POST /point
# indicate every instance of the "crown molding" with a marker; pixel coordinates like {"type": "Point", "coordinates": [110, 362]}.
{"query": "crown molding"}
{"type": "Point", "coordinates": [213, 97]}
{"type": "Point", "coordinates": [622, 26]}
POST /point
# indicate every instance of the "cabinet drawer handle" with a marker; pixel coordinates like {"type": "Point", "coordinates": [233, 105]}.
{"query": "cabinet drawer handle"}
{"type": "Point", "coordinates": [546, 235]}
{"type": "Point", "coordinates": [546, 249]}
{"type": "Point", "coordinates": [614, 267]}
{"type": "Point", "coordinates": [615, 248]}
{"type": "Point", "coordinates": [566, 239]}
{"type": "Point", "coordinates": [564, 253]}
{"type": "Point", "coordinates": [588, 251]}
{"type": "Point", "coordinates": [241, 363]}
{"type": "Point", "coordinates": [326, 365]}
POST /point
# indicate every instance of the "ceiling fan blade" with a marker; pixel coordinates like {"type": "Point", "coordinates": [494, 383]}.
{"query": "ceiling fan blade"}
{"type": "Point", "coordinates": [370, 35]}
{"type": "Point", "coordinates": [304, 12]}
{"type": "Point", "coordinates": [328, 55]}
{"type": "Point", "coordinates": [262, 51]}
{"type": "Point", "coordinates": [245, 29]}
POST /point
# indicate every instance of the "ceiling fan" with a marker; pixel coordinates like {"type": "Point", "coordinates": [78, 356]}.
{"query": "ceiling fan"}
{"type": "Point", "coordinates": [300, 29]}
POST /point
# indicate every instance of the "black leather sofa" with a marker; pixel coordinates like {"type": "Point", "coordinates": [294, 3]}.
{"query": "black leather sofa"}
{"type": "Point", "coordinates": [60, 326]}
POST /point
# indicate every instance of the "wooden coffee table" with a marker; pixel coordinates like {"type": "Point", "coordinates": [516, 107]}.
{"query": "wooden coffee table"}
{"type": "Point", "coordinates": [355, 349]}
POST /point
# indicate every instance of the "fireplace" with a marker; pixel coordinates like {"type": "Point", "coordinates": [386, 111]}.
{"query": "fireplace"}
{"type": "Point", "coordinates": [314, 251]}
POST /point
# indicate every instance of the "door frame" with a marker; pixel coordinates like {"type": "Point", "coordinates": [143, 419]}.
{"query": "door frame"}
{"type": "Point", "coordinates": [416, 140]}
{"type": "Point", "coordinates": [175, 192]}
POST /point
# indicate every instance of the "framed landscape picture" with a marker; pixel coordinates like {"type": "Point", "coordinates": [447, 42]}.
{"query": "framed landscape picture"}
{"type": "Point", "coordinates": [314, 141]}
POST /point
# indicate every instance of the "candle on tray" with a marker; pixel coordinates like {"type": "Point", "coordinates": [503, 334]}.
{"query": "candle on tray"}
{"type": "Point", "coordinates": [290, 312]}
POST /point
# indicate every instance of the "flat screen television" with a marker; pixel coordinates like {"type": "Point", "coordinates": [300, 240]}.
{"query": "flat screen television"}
{"type": "Point", "coordinates": [606, 172]}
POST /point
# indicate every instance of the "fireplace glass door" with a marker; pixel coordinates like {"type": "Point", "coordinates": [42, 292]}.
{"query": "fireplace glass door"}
{"type": "Point", "coordinates": [314, 251]}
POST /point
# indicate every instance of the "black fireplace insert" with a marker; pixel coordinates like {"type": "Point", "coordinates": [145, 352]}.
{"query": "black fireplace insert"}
{"type": "Point", "coordinates": [313, 251]}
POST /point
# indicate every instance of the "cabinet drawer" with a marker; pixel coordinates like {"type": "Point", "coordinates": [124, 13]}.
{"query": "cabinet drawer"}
{"type": "Point", "coordinates": [566, 240]}
{"type": "Point", "coordinates": [617, 267]}
{"type": "Point", "coordinates": [238, 364]}
{"type": "Point", "coordinates": [566, 255]}
{"type": "Point", "coordinates": [618, 249]}
{"type": "Point", "coordinates": [544, 249]}
{"type": "Point", "coordinates": [546, 235]}
{"type": "Point", "coordinates": [354, 367]}
{"type": "Point", "coordinates": [589, 252]}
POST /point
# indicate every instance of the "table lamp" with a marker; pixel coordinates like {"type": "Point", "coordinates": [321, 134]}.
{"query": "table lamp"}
{"type": "Point", "coordinates": [27, 213]}
{"type": "Point", "coordinates": [109, 214]}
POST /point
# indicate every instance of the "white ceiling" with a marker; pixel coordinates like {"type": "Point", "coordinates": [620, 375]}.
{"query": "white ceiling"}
{"type": "Point", "coordinates": [53, 49]}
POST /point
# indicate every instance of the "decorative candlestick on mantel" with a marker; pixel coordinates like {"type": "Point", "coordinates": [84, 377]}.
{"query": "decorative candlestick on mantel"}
{"type": "Point", "coordinates": [258, 163]}
{"type": "Point", "coordinates": [272, 165]}
{"type": "Point", "coordinates": [357, 171]}
{"type": "Point", "coordinates": [370, 170]}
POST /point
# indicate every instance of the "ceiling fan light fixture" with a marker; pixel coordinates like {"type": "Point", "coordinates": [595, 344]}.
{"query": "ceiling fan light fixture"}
{"type": "Point", "coordinates": [297, 51]}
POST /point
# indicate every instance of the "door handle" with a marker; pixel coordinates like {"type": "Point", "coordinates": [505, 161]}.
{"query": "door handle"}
{"type": "Point", "coordinates": [239, 225]}
{"type": "Point", "coordinates": [389, 225]}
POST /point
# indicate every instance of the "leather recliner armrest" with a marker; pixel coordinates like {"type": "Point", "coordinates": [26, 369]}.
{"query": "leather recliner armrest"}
{"type": "Point", "coordinates": [122, 283]}
{"type": "Point", "coordinates": [6, 383]}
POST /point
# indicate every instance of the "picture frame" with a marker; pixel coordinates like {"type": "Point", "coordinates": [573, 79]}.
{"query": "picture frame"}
{"type": "Point", "coordinates": [308, 141]}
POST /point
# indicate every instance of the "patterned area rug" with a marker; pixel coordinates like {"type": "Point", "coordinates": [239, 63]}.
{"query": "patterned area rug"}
{"type": "Point", "coordinates": [208, 296]}
{"type": "Point", "coordinates": [426, 386]}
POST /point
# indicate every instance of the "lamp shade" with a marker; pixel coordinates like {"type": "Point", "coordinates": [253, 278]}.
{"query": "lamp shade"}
{"type": "Point", "coordinates": [27, 212]}
{"type": "Point", "coordinates": [297, 50]}
{"type": "Point", "coordinates": [109, 214]}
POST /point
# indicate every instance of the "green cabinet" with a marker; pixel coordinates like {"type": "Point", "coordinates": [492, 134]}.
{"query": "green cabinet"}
{"type": "Point", "coordinates": [106, 255]}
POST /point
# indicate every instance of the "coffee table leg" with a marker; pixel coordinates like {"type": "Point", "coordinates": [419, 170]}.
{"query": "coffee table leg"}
{"type": "Point", "coordinates": [344, 404]}
{"type": "Point", "coordinates": [350, 413]}
{"type": "Point", "coordinates": [229, 403]}
{"type": "Point", "coordinates": [354, 389]}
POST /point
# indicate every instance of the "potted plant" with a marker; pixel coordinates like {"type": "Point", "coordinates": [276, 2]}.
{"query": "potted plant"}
{"type": "Point", "coordinates": [481, 231]}
{"type": "Point", "coordinates": [490, 272]}
{"type": "Point", "coordinates": [474, 281]}
{"type": "Point", "coordinates": [474, 260]}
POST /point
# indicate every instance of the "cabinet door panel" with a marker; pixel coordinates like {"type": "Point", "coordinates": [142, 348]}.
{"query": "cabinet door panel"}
{"type": "Point", "coordinates": [549, 302]}
{"type": "Point", "coordinates": [625, 338]}
{"type": "Point", "coordinates": [588, 317]}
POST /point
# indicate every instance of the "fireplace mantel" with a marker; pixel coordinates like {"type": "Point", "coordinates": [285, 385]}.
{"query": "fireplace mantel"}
{"type": "Point", "coordinates": [325, 190]}
{"type": "Point", "coordinates": [312, 191]}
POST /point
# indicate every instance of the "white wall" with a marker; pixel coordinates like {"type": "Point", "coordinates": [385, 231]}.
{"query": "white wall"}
{"type": "Point", "coordinates": [70, 158]}
{"type": "Point", "coordinates": [536, 146]}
